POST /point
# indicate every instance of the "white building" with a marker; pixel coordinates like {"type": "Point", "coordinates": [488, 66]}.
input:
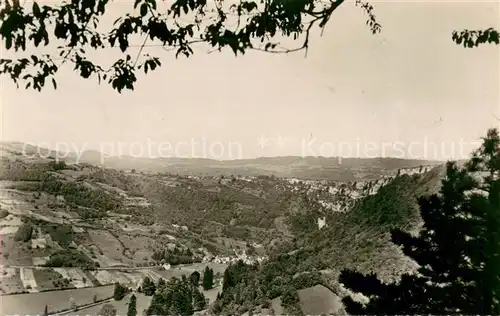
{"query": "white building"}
{"type": "Point", "coordinates": [321, 222]}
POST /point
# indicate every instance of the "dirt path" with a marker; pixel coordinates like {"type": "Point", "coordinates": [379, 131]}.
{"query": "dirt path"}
{"type": "Point", "coordinates": [82, 307]}
{"type": "Point", "coordinates": [108, 268]}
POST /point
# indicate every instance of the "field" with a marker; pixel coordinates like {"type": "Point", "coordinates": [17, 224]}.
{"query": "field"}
{"type": "Point", "coordinates": [47, 279]}
{"type": "Point", "coordinates": [133, 278]}
{"type": "Point", "coordinates": [277, 307]}
{"type": "Point", "coordinates": [153, 275]}
{"type": "Point", "coordinates": [34, 303]}
{"type": "Point", "coordinates": [318, 300]}
{"type": "Point", "coordinates": [172, 273]}
{"type": "Point", "coordinates": [179, 271]}
{"type": "Point", "coordinates": [212, 293]}
{"type": "Point", "coordinates": [78, 278]}
{"type": "Point", "coordinates": [9, 224]}
{"type": "Point", "coordinates": [102, 276]}
{"type": "Point", "coordinates": [40, 261]}
{"type": "Point", "coordinates": [14, 201]}
{"type": "Point", "coordinates": [11, 281]}
{"type": "Point", "coordinates": [120, 277]}
{"type": "Point", "coordinates": [28, 279]}
{"type": "Point", "coordinates": [15, 253]}
{"type": "Point", "coordinates": [200, 267]}
{"type": "Point", "coordinates": [138, 247]}
{"type": "Point", "coordinates": [109, 247]}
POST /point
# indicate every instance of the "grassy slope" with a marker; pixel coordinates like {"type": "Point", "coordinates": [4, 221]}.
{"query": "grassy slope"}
{"type": "Point", "coordinates": [358, 240]}
{"type": "Point", "coordinates": [258, 211]}
{"type": "Point", "coordinates": [324, 168]}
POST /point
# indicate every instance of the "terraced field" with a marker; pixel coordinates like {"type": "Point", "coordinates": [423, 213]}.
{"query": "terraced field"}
{"type": "Point", "coordinates": [98, 226]}
{"type": "Point", "coordinates": [38, 279]}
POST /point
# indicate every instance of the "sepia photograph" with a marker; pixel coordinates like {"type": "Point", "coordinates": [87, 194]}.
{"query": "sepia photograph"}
{"type": "Point", "coordinates": [249, 157]}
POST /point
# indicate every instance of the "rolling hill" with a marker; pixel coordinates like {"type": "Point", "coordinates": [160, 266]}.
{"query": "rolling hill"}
{"type": "Point", "coordinates": [311, 217]}
{"type": "Point", "coordinates": [313, 168]}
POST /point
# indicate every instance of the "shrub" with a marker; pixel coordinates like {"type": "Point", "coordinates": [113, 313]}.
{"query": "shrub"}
{"type": "Point", "coordinates": [70, 258]}
{"type": "Point", "coordinates": [3, 213]}
{"type": "Point", "coordinates": [24, 232]}
{"type": "Point", "coordinates": [108, 310]}
{"type": "Point", "coordinates": [119, 292]}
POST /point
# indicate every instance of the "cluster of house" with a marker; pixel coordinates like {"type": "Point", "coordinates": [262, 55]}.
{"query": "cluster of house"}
{"type": "Point", "coordinates": [235, 258]}
{"type": "Point", "coordinates": [415, 170]}
{"type": "Point", "coordinates": [185, 228]}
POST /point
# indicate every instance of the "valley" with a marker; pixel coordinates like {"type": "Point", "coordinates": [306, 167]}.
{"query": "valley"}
{"type": "Point", "coordinates": [76, 229]}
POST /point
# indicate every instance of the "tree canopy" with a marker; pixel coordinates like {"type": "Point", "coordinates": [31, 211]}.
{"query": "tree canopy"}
{"type": "Point", "coordinates": [148, 286]}
{"type": "Point", "coordinates": [119, 292]}
{"type": "Point", "coordinates": [474, 38]}
{"type": "Point", "coordinates": [76, 26]}
{"type": "Point", "coordinates": [108, 310]}
{"type": "Point", "coordinates": [457, 250]}
{"type": "Point", "coordinates": [208, 278]}
{"type": "Point", "coordinates": [178, 297]}
{"type": "Point", "coordinates": [132, 306]}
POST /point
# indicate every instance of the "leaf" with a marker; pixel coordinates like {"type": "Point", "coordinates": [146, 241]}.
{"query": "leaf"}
{"type": "Point", "coordinates": [153, 4]}
{"type": "Point", "coordinates": [144, 9]}
{"type": "Point", "coordinates": [36, 9]}
{"type": "Point", "coordinates": [190, 30]}
{"type": "Point", "coordinates": [8, 42]}
{"type": "Point", "coordinates": [123, 43]}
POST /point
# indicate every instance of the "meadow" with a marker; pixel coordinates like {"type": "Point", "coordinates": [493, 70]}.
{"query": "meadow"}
{"type": "Point", "coordinates": [34, 303]}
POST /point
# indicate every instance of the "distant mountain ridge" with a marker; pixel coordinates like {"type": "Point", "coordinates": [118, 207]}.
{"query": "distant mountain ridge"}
{"type": "Point", "coordinates": [314, 168]}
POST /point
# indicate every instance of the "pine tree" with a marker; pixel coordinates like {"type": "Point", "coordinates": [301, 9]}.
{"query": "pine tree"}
{"type": "Point", "coordinates": [227, 281]}
{"type": "Point", "coordinates": [119, 292]}
{"type": "Point", "coordinates": [179, 297]}
{"type": "Point", "coordinates": [458, 248]}
{"type": "Point", "coordinates": [46, 311]}
{"type": "Point", "coordinates": [132, 308]}
{"type": "Point", "coordinates": [182, 298]}
{"type": "Point", "coordinates": [161, 285]}
{"type": "Point", "coordinates": [158, 305]}
{"type": "Point", "coordinates": [208, 279]}
{"type": "Point", "coordinates": [484, 207]}
{"type": "Point", "coordinates": [148, 287]}
{"type": "Point", "coordinates": [199, 302]}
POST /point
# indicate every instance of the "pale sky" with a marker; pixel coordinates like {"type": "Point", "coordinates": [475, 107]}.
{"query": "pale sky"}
{"type": "Point", "coordinates": [410, 83]}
